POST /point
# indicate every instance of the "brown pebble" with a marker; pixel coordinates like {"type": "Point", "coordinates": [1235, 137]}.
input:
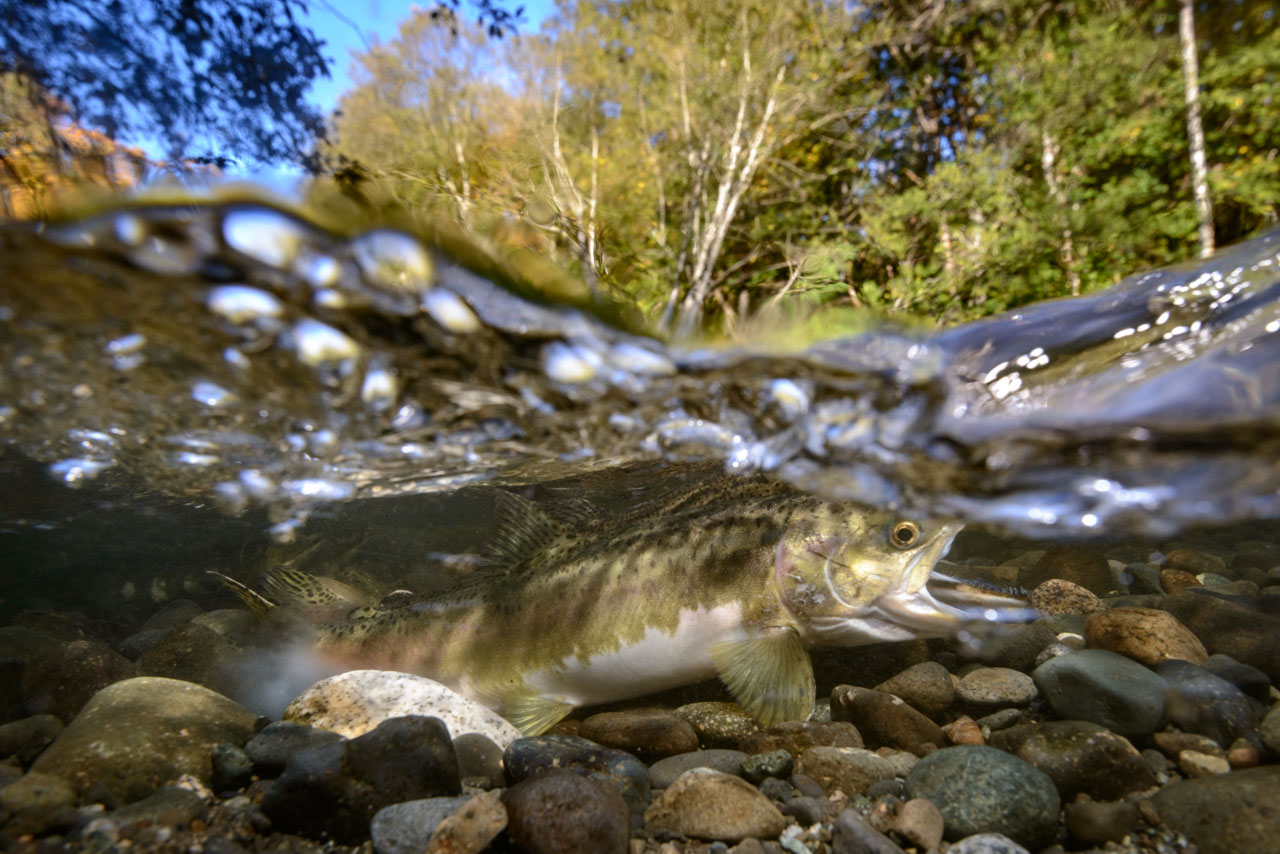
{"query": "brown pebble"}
{"type": "Point", "coordinates": [1194, 562]}
{"type": "Point", "coordinates": [650, 735]}
{"type": "Point", "coordinates": [964, 730]}
{"type": "Point", "coordinates": [1177, 580]}
{"type": "Point", "coordinates": [1242, 754]}
{"type": "Point", "coordinates": [919, 823]}
{"type": "Point", "coordinates": [1193, 763]}
{"type": "Point", "coordinates": [1058, 596]}
{"type": "Point", "coordinates": [1173, 743]}
{"type": "Point", "coordinates": [1146, 635]}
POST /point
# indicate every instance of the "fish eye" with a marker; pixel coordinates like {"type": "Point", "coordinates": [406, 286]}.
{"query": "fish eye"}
{"type": "Point", "coordinates": [905, 535]}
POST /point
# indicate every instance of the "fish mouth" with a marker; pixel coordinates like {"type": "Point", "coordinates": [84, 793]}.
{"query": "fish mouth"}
{"type": "Point", "coordinates": [928, 603]}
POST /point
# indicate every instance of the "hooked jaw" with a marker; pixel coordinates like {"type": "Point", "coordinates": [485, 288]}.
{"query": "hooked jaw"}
{"type": "Point", "coordinates": [911, 610]}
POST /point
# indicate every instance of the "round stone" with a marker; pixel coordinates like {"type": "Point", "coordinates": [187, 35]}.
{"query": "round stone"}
{"type": "Point", "coordinates": [560, 811]}
{"type": "Point", "coordinates": [984, 790]}
{"type": "Point", "coordinates": [709, 805]}
{"type": "Point", "coordinates": [1146, 635]}
{"type": "Point", "coordinates": [1103, 687]}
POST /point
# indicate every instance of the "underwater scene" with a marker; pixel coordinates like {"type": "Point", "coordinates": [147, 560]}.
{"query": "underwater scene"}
{"type": "Point", "coordinates": [314, 540]}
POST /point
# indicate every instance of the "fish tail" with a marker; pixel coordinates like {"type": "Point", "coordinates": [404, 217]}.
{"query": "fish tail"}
{"type": "Point", "coordinates": [256, 602]}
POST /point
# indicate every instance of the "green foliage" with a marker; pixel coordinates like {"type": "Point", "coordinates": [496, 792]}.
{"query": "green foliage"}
{"type": "Point", "coordinates": [916, 159]}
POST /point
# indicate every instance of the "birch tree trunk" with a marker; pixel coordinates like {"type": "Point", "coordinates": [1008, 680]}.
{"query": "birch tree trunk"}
{"type": "Point", "coordinates": [1195, 132]}
{"type": "Point", "coordinates": [1048, 164]}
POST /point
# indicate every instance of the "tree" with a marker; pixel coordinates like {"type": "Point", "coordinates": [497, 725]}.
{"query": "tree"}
{"type": "Point", "coordinates": [1195, 132]}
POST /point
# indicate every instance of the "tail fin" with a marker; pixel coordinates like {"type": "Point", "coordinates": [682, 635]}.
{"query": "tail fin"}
{"type": "Point", "coordinates": [257, 603]}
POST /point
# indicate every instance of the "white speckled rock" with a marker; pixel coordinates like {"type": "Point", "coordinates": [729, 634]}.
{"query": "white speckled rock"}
{"type": "Point", "coordinates": [355, 702]}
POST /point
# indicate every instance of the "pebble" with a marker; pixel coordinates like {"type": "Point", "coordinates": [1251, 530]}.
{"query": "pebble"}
{"type": "Point", "coordinates": [1173, 743]}
{"type": "Point", "coordinates": [335, 789]}
{"type": "Point", "coordinates": [1225, 813]}
{"type": "Point", "coordinates": [560, 812]}
{"type": "Point", "coordinates": [776, 763]}
{"type": "Point", "coordinates": [1018, 647]}
{"type": "Point", "coordinates": [1103, 687]}
{"type": "Point", "coordinates": [992, 688]}
{"type": "Point", "coordinates": [191, 653]}
{"type": "Point", "coordinates": [171, 614]}
{"type": "Point", "coordinates": [1146, 635]}
{"type": "Point", "coordinates": [36, 791]}
{"type": "Point", "coordinates": [62, 681]}
{"type": "Point", "coordinates": [853, 834]}
{"type": "Point", "coordinates": [986, 843]}
{"type": "Point", "coordinates": [1177, 580]}
{"type": "Point", "coordinates": [479, 759]}
{"type": "Point", "coordinates": [356, 702]}
{"type": "Point", "coordinates": [649, 735]}
{"type": "Point", "coordinates": [719, 724]}
{"type": "Point", "coordinates": [710, 805]}
{"type": "Point", "coordinates": [406, 828]}
{"type": "Point", "coordinates": [1248, 679]}
{"type": "Point", "coordinates": [983, 790]}
{"type": "Point", "coordinates": [26, 738]}
{"type": "Point", "coordinates": [1079, 757]}
{"type": "Point", "coordinates": [1194, 562]}
{"type": "Point", "coordinates": [795, 737]}
{"type": "Point", "coordinates": [278, 742]}
{"type": "Point", "coordinates": [471, 828]}
{"type": "Point", "coordinates": [919, 823]}
{"type": "Point", "coordinates": [927, 686]}
{"type": "Point", "coordinates": [1243, 754]}
{"type": "Point", "coordinates": [235, 625]}
{"type": "Point", "coordinates": [1247, 635]}
{"type": "Point", "coordinates": [1081, 565]}
{"type": "Point", "coordinates": [847, 769]}
{"type": "Point", "coordinates": [527, 757]}
{"type": "Point", "coordinates": [964, 730]}
{"type": "Point", "coordinates": [885, 720]}
{"type": "Point", "coordinates": [1193, 763]}
{"type": "Point", "coordinates": [1269, 730]}
{"type": "Point", "coordinates": [1098, 822]}
{"type": "Point", "coordinates": [1059, 596]}
{"type": "Point", "coordinates": [168, 807]}
{"type": "Point", "coordinates": [1197, 701]}
{"type": "Point", "coordinates": [138, 734]}
{"type": "Point", "coordinates": [665, 771]}
{"type": "Point", "coordinates": [232, 768]}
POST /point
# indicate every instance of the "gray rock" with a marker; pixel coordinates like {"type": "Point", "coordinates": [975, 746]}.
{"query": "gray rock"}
{"type": "Point", "coordinates": [62, 683]}
{"type": "Point", "coordinates": [1018, 646]}
{"type": "Point", "coordinates": [1079, 757]}
{"type": "Point", "coordinates": [406, 828]}
{"type": "Point", "coordinates": [1105, 688]}
{"type": "Point", "coordinates": [278, 742]}
{"type": "Point", "coordinates": [137, 644]}
{"type": "Point", "coordinates": [805, 811]}
{"type": "Point", "coordinates": [26, 738]}
{"type": "Point", "coordinates": [1269, 730]}
{"type": "Point", "coordinates": [1247, 678]}
{"type": "Point", "coordinates": [664, 772]}
{"type": "Point", "coordinates": [984, 790]}
{"type": "Point", "coordinates": [853, 834]}
{"type": "Point", "coordinates": [926, 686]}
{"type": "Point", "coordinates": [170, 807]}
{"type": "Point", "coordinates": [172, 614]}
{"type": "Point", "coordinates": [796, 737]}
{"type": "Point", "coordinates": [335, 789]}
{"type": "Point", "coordinates": [1200, 702]}
{"type": "Point", "coordinates": [992, 688]}
{"type": "Point", "coordinates": [1226, 813]}
{"type": "Point", "coordinates": [479, 758]}
{"type": "Point", "coordinates": [236, 625]}
{"type": "Point", "coordinates": [987, 843]}
{"type": "Point", "coordinates": [560, 812]}
{"type": "Point", "coordinates": [776, 763]}
{"type": "Point", "coordinates": [232, 768]}
{"type": "Point", "coordinates": [527, 757]}
{"type": "Point", "coordinates": [1082, 565]}
{"type": "Point", "coordinates": [778, 790]}
{"type": "Point", "coordinates": [36, 804]}
{"type": "Point", "coordinates": [1247, 635]}
{"type": "Point", "coordinates": [710, 805]}
{"type": "Point", "coordinates": [139, 734]}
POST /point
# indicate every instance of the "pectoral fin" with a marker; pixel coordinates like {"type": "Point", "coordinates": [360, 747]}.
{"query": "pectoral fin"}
{"type": "Point", "coordinates": [770, 676]}
{"type": "Point", "coordinates": [532, 714]}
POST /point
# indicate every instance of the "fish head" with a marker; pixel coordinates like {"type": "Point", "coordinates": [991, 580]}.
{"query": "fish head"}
{"type": "Point", "coordinates": [849, 576]}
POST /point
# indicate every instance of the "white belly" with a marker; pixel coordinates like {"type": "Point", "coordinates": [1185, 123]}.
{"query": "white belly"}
{"type": "Point", "coordinates": [654, 663]}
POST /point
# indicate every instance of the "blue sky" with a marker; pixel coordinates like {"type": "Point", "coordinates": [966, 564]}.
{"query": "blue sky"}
{"type": "Point", "coordinates": [348, 27]}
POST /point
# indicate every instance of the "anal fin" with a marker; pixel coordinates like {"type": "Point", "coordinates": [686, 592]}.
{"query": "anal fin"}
{"type": "Point", "coordinates": [533, 714]}
{"type": "Point", "coordinates": [770, 676]}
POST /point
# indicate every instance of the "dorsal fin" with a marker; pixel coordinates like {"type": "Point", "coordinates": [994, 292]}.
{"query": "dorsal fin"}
{"type": "Point", "coordinates": [256, 602]}
{"type": "Point", "coordinates": [524, 529]}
